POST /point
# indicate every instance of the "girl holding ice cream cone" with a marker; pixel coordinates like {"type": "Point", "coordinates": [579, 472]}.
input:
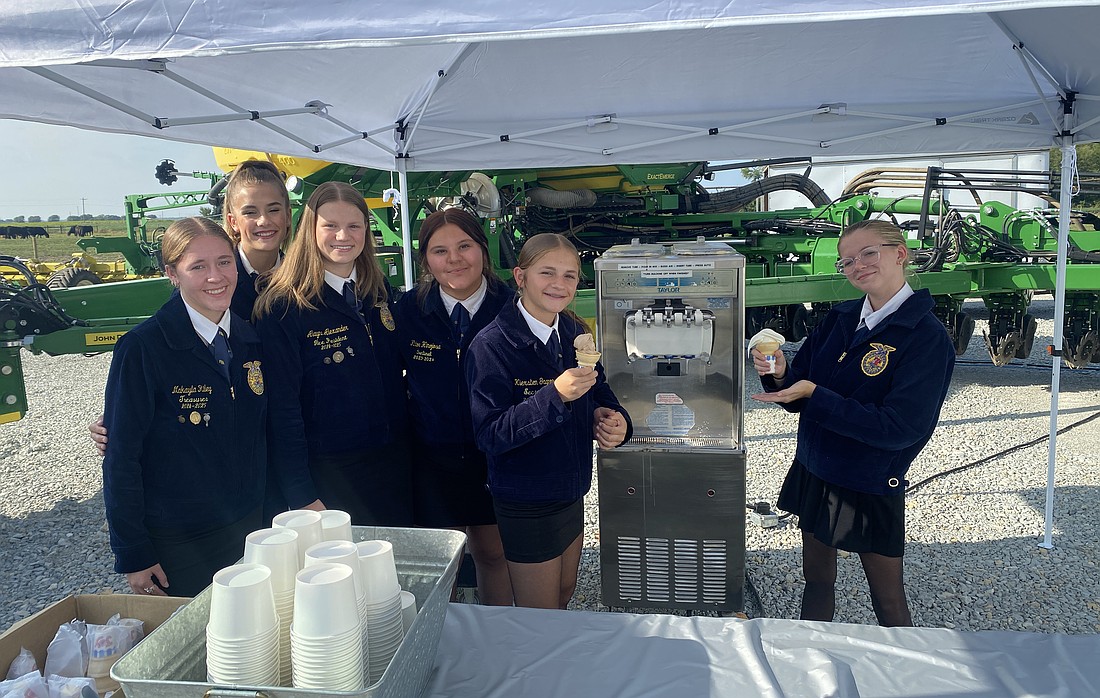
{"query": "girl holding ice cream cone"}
{"type": "Point", "coordinates": [868, 385]}
{"type": "Point", "coordinates": [535, 414]}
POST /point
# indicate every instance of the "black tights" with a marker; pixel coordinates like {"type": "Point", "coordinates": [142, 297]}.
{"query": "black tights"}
{"type": "Point", "coordinates": [884, 576]}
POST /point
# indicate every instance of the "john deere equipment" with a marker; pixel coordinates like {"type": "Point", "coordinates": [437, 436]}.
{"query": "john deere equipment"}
{"type": "Point", "coordinates": [976, 247]}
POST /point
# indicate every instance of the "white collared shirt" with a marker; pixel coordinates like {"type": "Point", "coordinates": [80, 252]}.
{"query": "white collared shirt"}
{"type": "Point", "coordinates": [871, 318]}
{"type": "Point", "coordinates": [541, 331]}
{"type": "Point", "coordinates": [203, 327]}
{"type": "Point", "coordinates": [471, 304]}
{"type": "Point", "coordinates": [337, 282]}
{"type": "Point", "coordinates": [248, 265]}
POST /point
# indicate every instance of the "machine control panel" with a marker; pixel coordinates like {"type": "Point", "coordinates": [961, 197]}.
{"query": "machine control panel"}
{"type": "Point", "coordinates": [641, 280]}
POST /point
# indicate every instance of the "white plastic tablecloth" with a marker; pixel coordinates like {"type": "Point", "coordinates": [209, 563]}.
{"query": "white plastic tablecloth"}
{"type": "Point", "coordinates": [496, 652]}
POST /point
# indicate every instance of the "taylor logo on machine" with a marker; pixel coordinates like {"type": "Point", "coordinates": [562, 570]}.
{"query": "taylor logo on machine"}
{"type": "Point", "coordinates": [255, 377]}
{"type": "Point", "coordinates": [874, 362]}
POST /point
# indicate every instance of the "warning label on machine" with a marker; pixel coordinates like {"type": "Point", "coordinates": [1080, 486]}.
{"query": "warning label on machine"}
{"type": "Point", "coordinates": [668, 399]}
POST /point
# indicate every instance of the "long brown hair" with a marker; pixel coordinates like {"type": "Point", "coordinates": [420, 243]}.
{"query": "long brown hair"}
{"type": "Point", "coordinates": [252, 173]}
{"type": "Point", "coordinates": [469, 224]}
{"type": "Point", "coordinates": [300, 279]}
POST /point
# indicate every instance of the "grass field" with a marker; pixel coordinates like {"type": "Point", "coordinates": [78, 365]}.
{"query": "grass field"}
{"type": "Point", "coordinates": [59, 247]}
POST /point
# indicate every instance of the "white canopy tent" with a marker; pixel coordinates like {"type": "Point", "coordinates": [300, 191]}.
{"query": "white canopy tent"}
{"type": "Point", "coordinates": [488, 84]}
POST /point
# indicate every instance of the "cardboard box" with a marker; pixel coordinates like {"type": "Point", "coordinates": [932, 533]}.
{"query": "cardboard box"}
{"type": "Point", "coordinates": [36, 632]}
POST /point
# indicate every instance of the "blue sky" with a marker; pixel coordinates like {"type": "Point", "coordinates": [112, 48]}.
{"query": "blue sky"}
{"type": "Point", "coordinates": [49, 169]}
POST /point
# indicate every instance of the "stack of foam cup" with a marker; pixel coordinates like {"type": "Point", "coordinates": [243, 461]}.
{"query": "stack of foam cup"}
{"type": "Point", "coordinates": [408, 609]}
{"type": "Point", "coordinates": [277, 549]}
{"type": "Point", "coordinates": [344, 552]}
{"type": "Point", "coordinates": [326, 642]}
{"type": "Point", "coordinates": [242, 636]}
{"type": "Point", "coordinates": [308, 525]}
{"type": "Point", "coordinates": [335, 525]}
{"type": "Point", "coordinates": [385, 628]}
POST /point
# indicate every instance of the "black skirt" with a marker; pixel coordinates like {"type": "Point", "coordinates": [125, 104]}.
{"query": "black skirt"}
{"type": "Point", "coordinates": [449, 487]}
{"type": "Point", "coordinates": [374, 485]}
{"type": "Point", "coordinates": [190, 559]}
{"type": "Point", "coordinates": [538, 531]}
{"type": "Point", "coordinates": [843, 518]}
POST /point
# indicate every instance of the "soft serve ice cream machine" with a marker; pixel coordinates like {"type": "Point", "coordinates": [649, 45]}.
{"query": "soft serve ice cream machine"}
{"type": "Point", "coordinates": [670, 320]}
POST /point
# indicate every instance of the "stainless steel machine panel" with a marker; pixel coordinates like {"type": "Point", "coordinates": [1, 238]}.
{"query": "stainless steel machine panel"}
{"type": "Point", "coordinates": [671, 328]}
{"type": "Point", "coordinates": [672, 530]}
{"type": "Point", "coordinates": [672, 501]}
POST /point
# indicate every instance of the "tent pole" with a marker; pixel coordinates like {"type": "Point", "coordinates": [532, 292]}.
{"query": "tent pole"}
{"type": "Point", "coordinates": [1065, 201]}
{"type": "Point", "coordinates": [406, 226]}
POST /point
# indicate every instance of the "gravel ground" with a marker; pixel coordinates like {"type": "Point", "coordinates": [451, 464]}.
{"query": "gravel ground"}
{"type": "Point", "coordinates": [972, 561]}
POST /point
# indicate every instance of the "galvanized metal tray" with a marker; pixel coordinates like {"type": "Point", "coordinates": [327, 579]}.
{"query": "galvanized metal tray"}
{"type": "Point", "coordinates": [171, 661]}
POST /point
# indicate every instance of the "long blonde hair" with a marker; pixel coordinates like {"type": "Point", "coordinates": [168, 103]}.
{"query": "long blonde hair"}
{"type": "Point", "coordinates": [300, 279]}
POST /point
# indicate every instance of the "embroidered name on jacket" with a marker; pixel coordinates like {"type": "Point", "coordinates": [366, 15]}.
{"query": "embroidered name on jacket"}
{"type": "Point", "coordinates": [424, 350]}
{"type": "Point", "coordinates": [193, 397]}
{"type": "Point", "coordinates": [530, 386]}
{"type": "Point", "coordinates": [329, 338]}
{"type": "Point", "coordinates": [875, 361]}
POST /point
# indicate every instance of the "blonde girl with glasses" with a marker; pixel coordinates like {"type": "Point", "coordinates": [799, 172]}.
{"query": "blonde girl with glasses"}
{"type": "Point", "coordinates": [868, 385]}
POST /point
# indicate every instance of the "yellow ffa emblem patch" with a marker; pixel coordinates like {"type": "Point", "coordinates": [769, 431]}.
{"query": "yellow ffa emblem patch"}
{"type": "Point", "coordinates": [195, 418]}
{"type": "Point", "coordinates": [387, 316]}
{"type": "Point", "coordinates": [874, 362]}
{"type": "Point", "coordinates": [255, 377]}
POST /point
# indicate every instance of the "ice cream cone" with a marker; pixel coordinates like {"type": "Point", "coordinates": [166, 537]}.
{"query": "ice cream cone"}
{"type": "Point", "coordinates": [587, 356]}
{"type": "Point", "coordinates": [588, 359]}
{"type": "Point", "coordinates": [768, 348]}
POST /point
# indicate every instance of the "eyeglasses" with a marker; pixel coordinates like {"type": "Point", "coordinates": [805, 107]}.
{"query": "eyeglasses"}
{"type": "Point", "coordinates": [868, 256]}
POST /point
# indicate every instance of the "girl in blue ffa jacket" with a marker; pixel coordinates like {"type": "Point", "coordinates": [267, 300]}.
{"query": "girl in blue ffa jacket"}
{"type": "Point", "coordinates": [338, 420]}
{"type": "Point", "coordinates": [535, 420]}
{"type": "Point", "coordinates": [868, 385]}
{"type": "Point", "coordinates": [458, 295]}
{"type": "Point", "coordinates": [183, 475]}
{"type": "Point", "coordinates": [257, 217]}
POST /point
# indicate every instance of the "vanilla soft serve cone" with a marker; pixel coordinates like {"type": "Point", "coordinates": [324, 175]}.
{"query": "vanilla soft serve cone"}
{"type": "Point", "coordinates": [767, 341]}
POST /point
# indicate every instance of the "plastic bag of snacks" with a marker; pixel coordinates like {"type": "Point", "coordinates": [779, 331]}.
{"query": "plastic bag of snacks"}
{"type": "Point", "coordinates": [67, 654]}
{"type": "Point", "coordinates": [65, 687]}
{"type": "Point", "coordinates": [31, 685]}
{"type": "Point", "coordinates": [22, 665]}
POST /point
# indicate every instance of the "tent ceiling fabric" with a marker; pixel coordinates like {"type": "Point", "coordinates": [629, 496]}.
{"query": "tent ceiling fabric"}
{"type": "Point", "coordinates": [557, 85]}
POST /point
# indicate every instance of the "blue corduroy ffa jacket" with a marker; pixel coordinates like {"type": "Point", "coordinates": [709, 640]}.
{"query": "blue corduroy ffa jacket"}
{"type": "Point", "coordinates": [339, 387]}
{"type": "Point", "coordinates": [539, 448]}
{"type": "Point", "coordinates": [188, 449]}
{"type": "Point", "coordinates": [878, 394]}
{"type": "Point", "coordinates": [435, 365]}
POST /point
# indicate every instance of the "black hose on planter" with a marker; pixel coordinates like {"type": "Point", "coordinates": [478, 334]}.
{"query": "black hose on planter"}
{"type": "Point", "coordinates": [740, 197]}
{"type": "Point", "coordinates": [552, 198]}
{"type": "Point", "coordinates": [213, 197]}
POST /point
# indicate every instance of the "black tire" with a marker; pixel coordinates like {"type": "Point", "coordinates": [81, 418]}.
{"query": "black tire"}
{"type": "Point", "coordinates": [71, 277]}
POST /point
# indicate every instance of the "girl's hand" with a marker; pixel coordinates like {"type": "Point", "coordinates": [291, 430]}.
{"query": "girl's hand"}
{"type": "Point", "coordinates": [99, 435]}
{"type": "Point", "coordinates": [799, 390]}
{"type": "Point", "coordinates": [146, 581]}
{"type": "Point", "coordinates": [609, 427]}
{"type": "Point", "coordinates": [762, 366]}
{"type": "Point", "coordinates": [575, 382]}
